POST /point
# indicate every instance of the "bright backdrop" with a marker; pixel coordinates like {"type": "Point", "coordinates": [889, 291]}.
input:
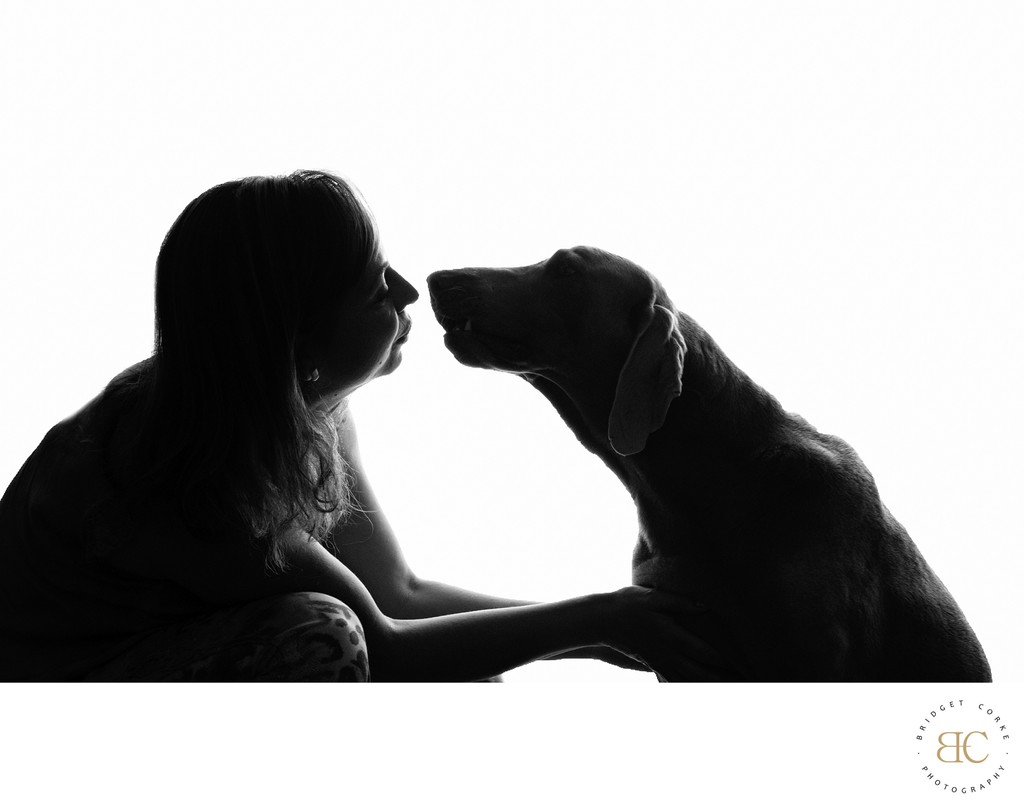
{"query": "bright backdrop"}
{"type": "Point", "coordinates": [834, 190]}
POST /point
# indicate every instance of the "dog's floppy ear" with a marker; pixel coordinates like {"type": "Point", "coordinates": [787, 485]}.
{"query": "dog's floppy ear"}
{"type": "Point", "coordinates": [648, 381]}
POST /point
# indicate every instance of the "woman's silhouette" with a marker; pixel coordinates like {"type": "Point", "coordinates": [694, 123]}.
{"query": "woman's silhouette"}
{"type": "Point", "coordinates": [207, 515]}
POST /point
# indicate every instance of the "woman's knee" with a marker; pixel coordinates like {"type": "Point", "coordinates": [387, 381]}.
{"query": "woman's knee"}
{"type": "Point", "coordinates": [318, 638]}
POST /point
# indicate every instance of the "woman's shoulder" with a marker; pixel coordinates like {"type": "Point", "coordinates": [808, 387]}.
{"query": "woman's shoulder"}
{"type": "Point", "coordinates": [93, 419]}
{"type": "Point", "coordinates": [124, 389]}
{"type": "Point", "coordinates": [69, 466]}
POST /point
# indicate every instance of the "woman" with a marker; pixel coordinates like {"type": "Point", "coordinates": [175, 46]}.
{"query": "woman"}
{"type": "Point", "coordinates": [207, 516]}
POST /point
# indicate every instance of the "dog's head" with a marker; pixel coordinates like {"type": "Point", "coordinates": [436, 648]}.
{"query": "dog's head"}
{"type": "Point", "coordinates": [581, 318]}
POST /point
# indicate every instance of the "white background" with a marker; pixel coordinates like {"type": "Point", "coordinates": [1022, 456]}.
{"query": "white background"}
{"type": "Point", "coordinates": [833, 190]}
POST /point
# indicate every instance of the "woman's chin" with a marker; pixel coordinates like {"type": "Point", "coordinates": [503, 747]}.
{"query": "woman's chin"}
{"type": "Point", "coordinates": [393, 361]}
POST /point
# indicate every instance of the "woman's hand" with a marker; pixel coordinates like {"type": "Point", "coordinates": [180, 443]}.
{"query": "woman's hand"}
{"type": "Point", "coordinates": [667, 633]}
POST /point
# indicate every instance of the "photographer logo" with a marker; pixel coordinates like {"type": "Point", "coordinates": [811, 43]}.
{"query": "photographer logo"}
{"type": "Point", "coordinates": [963, 747]}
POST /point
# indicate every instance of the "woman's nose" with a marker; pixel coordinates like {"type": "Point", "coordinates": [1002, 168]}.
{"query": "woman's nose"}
{"type": "Point", "coordinates": [402, 292]}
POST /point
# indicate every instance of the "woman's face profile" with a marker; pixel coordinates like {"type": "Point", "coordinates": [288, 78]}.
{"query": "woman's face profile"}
{"type": "Point", "coordinates": [363, 335]}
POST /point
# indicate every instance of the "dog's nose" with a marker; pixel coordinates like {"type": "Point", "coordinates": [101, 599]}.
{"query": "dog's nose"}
{"type": "Point", "coordinates": [454, 283]}
{"type": "Point", "coordinates": [443, 277]}
{"type": "Point", "coordinates": [449, 277]}
{"type": "Point", "coordinates": [439, 282]}
{"type": "Point", "coordinates": [450, 294]}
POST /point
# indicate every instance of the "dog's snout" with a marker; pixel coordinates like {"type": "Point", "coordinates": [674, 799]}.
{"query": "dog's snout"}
{"type": "Point", "coordinates": [456, 278]}
{"type": "Point", "coordinates": [453, 296]}
{"type": "Point", "coordinates": [455, 282]}
{"type": "Point", "coordinates": [443, 277]}
{"type": "Point", "coordinates": [448, 283]}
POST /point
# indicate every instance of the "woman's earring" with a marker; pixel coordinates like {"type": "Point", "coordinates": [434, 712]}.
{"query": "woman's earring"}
{"type": "Point", "coordinates": [314, 376]}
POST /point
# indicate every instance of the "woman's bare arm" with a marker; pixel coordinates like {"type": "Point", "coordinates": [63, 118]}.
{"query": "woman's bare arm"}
{"type": "Point", "coordinates": [459, 647]}
{"type": "Point", "coordinates": [367, 545]}
{"type": "Point", "coordinates": [463, 647]}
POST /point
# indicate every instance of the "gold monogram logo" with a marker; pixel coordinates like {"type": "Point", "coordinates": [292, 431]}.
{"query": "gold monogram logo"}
{"type": "Point", "coordinates": [961, 745]}
{"type": "Point", "coordinates": [988, 747]}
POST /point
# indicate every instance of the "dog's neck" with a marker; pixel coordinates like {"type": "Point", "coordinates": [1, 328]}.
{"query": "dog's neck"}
{"type": "Point", "coordinates": [719, 422]}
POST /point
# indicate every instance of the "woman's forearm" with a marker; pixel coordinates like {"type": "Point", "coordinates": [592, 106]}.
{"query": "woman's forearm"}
{"type": "Point", "coordinates": [424, 598]}
{"type": "Point", "coordinates": [487, 637]}
{"type": "Point", "coordinates": [480, 644]}
{"type": "Point", "coordinates": [432, 598]}
{"type": "Point", "coordinates": [483, 643]}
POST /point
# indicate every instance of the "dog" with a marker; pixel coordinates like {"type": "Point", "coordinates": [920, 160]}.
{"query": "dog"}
{"type": "Point", "coordinates": [778, 528]}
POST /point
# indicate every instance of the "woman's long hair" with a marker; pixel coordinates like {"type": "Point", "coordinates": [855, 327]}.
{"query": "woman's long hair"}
{"type": "Point", "coordinates": [249, 271]}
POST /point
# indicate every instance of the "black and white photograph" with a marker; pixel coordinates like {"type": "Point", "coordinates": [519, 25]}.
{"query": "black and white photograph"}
{"type": "Point", "coordinates": [659, 363]}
